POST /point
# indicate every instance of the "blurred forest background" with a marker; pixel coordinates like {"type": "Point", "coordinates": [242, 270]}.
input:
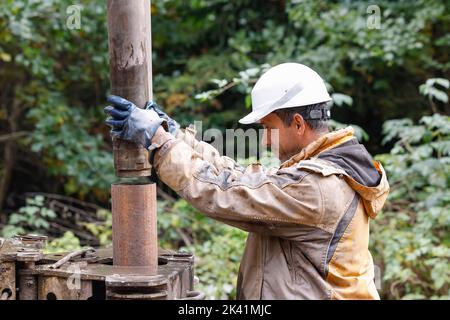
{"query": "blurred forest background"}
{"type": "Point", "coordinates": [392, 82]}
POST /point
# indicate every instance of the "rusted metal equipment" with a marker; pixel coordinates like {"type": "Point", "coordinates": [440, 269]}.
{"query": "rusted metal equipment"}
{"type": "Point", "coordinates": [130, 52]}
{"type": "Point", "coordinates": [135, 240]}
{"type": "Point", "coordinates": [28, 274]}
{"type": "Point", "coordinates": [133, 204]}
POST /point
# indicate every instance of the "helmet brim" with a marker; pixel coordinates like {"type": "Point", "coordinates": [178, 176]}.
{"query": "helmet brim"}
{"type": "Point", "coordinates": [254, 116]}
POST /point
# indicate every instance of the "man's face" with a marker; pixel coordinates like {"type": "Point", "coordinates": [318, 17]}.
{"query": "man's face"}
{"type": "Point", "coordinates": [284, 141]}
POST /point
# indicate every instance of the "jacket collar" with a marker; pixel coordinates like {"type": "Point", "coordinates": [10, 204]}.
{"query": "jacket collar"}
{"type": "Point", "coordinates": [323, 143]}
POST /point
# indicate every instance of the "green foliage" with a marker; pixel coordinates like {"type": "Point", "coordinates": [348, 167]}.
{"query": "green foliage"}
{"type": "Point", "coordinates": [33, 217]}
{"type": "Point", "coordinates": [412, 237]}
{"type": "Point", "coordinates": [58, 78]}
{"type": "Point", "coordinates": [376, 67]}
{"type": "Point", "coordinates": [429, 90]}
{"type": "Point", "coordinates": [70, 150]}
{"type": "Point", "coordinates": [102, 231]}
{"type": "Point", "coordinates": [217, 247]}
{"type": "Point", "coordinates": [67, 243]}
{"type": "Point", "coordinates": [183, 225]}
{"type": "Point", "coordinates": [217, 262]}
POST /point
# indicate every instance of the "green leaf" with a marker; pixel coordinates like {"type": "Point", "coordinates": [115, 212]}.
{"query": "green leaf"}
{"type": "Point", "coordinates": [341, 99]}
{"type": "Point", "coordinates": [15, 219]}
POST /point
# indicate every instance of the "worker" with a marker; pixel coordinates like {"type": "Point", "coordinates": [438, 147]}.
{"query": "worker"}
{"type": "Point", "coordinates": [308, 220]}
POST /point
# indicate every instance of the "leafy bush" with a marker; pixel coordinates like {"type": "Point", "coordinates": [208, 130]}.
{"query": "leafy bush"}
{"type": "Point", "coordinates": [69, 150]}
{"type": "Point", "coordinates": [67, 243]}
{"type": "Point", "coordinates": [411, 239]}
{"type": "Point", "coordinates": [33, 217]}
{"type": "Point", "coordinates": [181, 225]}
{"type": "Point", "coordinates": [56, 90]}
{"type": "Point", "coordinates": [217, 262]}
{"type": "Point", "coordinates": [101, 230]}
{"type": "Point", "coordinates": [217, 247]}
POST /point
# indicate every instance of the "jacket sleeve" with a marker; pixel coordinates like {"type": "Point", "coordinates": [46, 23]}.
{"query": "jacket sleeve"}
{"type": "Point", "coordinates": [206, 151]}
{"type": "Point", "coordinates": [249, 198]}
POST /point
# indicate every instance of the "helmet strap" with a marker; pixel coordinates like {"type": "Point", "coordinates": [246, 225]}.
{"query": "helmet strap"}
{"type": "Point", "coordinates": [320, 114]}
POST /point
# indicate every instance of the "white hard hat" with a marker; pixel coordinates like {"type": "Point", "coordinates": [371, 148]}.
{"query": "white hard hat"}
{"type": "Point", "coordinates": [286, 85]}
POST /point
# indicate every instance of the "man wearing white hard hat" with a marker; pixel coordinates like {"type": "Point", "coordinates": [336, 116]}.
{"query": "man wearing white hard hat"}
{"type": "Point", "coordinates": [308, 220]}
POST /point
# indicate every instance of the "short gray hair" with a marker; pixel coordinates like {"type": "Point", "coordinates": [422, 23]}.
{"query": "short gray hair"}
{"type": "Point", "coordinates": [319, 125]}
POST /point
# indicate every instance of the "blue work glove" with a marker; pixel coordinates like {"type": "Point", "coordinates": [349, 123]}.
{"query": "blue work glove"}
{"type": "Point", "coordinates": [173, 126]}
{"type": "Point", "coordinates": [131, 123]}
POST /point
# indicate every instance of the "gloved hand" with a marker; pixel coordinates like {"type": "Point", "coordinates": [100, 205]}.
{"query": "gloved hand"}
{"type": "Point", "coordinates": [171, 123]}
{"type": "Point", "coordinates": [131, 123]}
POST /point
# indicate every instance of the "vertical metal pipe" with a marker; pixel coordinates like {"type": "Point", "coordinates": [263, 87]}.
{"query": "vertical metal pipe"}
{"type": "Point", "coordinates": [134, 225]}
{"type": "Point", "coordinates": [130, 53]}
{"type": "Point", "coordinates": [133, 206]}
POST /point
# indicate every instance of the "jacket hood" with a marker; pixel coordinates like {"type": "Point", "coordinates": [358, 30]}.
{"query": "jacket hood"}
{"type": "Point", "coordinates": [366, 176]}
{"type": "Point", "coordinates": [342, 150]}
{"type": "Point", "coordinates": [354, 159]}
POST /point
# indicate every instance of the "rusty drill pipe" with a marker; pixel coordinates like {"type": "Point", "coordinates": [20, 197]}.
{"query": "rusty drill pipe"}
{"type": "Point", "coordinates": [135, 240]}
{"type": "Point", "coordinates": [130, 53]}
{"type": "Point", "coordinates": [133, 206]}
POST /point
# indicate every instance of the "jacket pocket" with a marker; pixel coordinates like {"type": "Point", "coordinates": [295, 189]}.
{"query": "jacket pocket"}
{"type": "Point", "coordinates": [287, 249]}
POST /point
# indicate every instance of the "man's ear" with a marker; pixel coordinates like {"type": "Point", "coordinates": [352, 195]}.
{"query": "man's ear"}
{"type": "Point", "coordinates": [299, 123]}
